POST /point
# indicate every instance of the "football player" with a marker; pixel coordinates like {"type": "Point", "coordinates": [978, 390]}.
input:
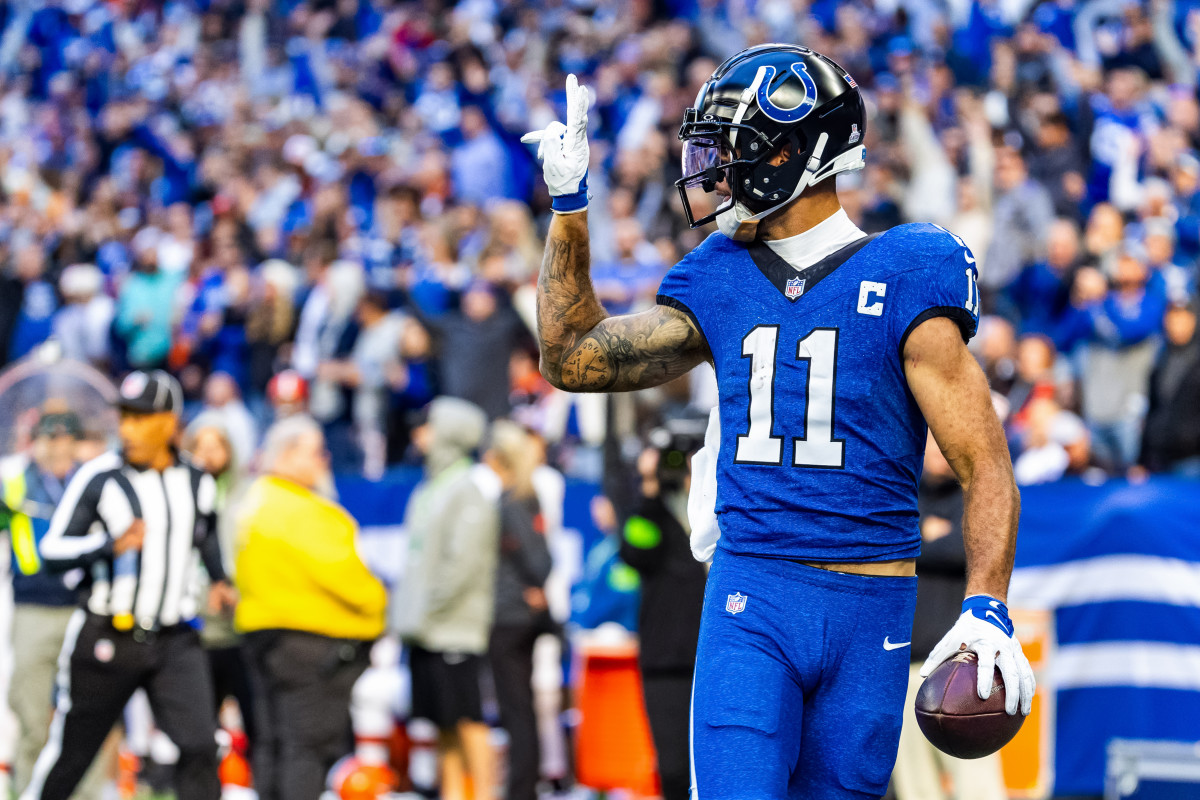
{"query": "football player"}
{"type": "Point", "coordinates": [833, 351]}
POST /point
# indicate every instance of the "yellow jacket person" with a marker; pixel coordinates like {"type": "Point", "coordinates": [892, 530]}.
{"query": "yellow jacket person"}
{"type": "Point", "coordinates": [309, 610]}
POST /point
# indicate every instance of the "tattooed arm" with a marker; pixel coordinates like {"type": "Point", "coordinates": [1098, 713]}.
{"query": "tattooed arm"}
{"type": "Point", "coordinates": [585, 350]}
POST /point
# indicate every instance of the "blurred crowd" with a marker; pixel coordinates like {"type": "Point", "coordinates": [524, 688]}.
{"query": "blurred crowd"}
{"type": "Point", "coordinates": [231, 189]}
{"type": "Point", "coordinates": [322, 206]}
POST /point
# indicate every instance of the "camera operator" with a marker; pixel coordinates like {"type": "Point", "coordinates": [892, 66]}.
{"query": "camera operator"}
{"type": "Point", "coordinates": [655, 543]}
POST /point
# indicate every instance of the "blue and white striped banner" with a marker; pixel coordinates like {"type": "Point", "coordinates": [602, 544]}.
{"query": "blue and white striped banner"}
{"type": "Point", "coordinates": [1119, 565]}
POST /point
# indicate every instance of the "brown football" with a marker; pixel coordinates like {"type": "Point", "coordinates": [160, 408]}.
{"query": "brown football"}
{"type": "Point", "coordinates": [955, 720]}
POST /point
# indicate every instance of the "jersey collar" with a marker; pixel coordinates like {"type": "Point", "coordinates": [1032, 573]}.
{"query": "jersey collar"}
{"type": "Point", "coordinates": [792, 284]}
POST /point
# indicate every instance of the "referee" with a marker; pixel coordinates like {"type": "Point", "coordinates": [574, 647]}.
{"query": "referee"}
{"type": "Point", "coordinates": [135, 522]}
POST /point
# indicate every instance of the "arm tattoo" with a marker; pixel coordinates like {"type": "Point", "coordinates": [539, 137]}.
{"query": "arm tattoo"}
{"type": "Point", "coordinates": [633, 352]}
{"type": "Point", "coordinates": [585, 350]}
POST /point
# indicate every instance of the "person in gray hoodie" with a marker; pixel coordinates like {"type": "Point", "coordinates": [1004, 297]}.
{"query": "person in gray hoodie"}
{"type": "Point", "coordinates": [522, 613]}
{"type": "Point", "coordinates": [444, 605]}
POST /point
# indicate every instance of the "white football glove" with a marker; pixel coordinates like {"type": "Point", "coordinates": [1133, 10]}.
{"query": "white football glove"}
{"type": "Point", "coordinates": [563, 150]}
{"type": "Point", "coordinates": [985, 629]}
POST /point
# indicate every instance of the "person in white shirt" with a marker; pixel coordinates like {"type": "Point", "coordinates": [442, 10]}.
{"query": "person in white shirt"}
{"type": "Point", "coordinates": [82, 324]}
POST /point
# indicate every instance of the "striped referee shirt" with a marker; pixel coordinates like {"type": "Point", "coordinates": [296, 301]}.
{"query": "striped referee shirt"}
{"type": "Point", "coordinates": [159, 585]}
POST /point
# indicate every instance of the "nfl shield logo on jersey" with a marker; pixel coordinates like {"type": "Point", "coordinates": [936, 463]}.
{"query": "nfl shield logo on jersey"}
{"type": "Point", "coordinates": [794, 288]}
{"type": "Point", "coordinates": [735, 603]}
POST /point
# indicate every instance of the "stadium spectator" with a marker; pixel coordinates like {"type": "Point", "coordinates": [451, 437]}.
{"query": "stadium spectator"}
{"type": "Point", "coordinates": [43, 604]}
{"type": "Point", "coordinates": [146, 306]}
{"type": "Point", "coordinates": [609, 590]}
{"type": "Point", "coordinates": [922, 771]}
{"type": "Point", "coordinates": [287, 394]}
{"type": "Point", "coordinates": [1171, 440]}
{"type": "Point", "coordinates": [309, 611]}
{"type": "Point", "coordinates": [1058, 165]}
{"type": "Point", "coordinates": [930, 193]}
{"type": "Point", "coordinates": [1102, 237]}
{"type": "Point", "coordinates": [630, 280]}
{"type": "Point", "coordinates": [654, 542]}
{"type": "Point", "coordinates": [1035, 360]}
{"type": "Point", "coordinates": [207, 442]}
{"type": "Point", "coordinates": [474, 346]}
{"type": "Point", "coordinates": [1117, 334]}
{"type": "Point", "coordinates": [33, 313]}
{"type": "Point", "coordinates": [1185, 181]}
{"type": "Point", "coordinates": [81, 324]}
{"type": "Point", "coordinates": [1042, 291]}
{"type": "Point", "coordinates": [1021, 214]}
{"type": "Point", "coordinates": [480, 164]}
{"type": "Point", "coordinates": [513, 244]}
{"type": "Point", "coordinates": [411, 385]}
{"type": "Point", "coordinates": [363, 373]}
{"type": "Point", "coordinates": [325, 330]}
{"type": "Point", "coordinates": [270, 322]}
{"type": "Point", "coordinates": [1174, 280]}
{"type": "Point", "coordinates": [1055, 442]}
{"type": "Point", "coordinates": [996, 350]}
{"type": "Point", "coordinates": [443, 607]}
{"type": "Point", "coordinates": [222, 399]}
{"type": "Point", "coordinates": [326, 333]}
{"type": "Point", "coordinates": [522, 611]}
{"type": "Point", "coordinates": [215, 325]}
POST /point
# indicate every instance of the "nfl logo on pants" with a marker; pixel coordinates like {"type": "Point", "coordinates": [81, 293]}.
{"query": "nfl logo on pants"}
{"type": "Point", "coordinates": [735, 603]}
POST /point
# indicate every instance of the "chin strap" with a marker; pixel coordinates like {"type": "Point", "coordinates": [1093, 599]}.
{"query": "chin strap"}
{"type": "Point", "coordinates": [738, 224]}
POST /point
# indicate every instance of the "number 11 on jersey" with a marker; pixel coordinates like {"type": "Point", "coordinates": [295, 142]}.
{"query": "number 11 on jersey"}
{"type": "Point", "coordinates": [817, 447]}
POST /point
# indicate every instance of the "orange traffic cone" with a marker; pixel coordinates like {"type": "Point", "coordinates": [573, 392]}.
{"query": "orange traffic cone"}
{"type": "Point", "coordinates": [352, 779]}
{"type": "Point", "coordinates": [128, 766]}
{"type": "Point", "coordinates": [235, 770]}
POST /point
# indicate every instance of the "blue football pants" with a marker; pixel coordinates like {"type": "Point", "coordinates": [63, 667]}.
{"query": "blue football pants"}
{"type": "Point", "coordinates": [800, 681]}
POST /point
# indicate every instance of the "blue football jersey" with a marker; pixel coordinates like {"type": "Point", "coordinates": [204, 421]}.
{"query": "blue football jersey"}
{"type": "Point", "coordinates": [822, 442]}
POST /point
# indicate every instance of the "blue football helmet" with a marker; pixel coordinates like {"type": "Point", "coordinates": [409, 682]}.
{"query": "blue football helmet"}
{"type": "Point", "coordinates": [760, 100]}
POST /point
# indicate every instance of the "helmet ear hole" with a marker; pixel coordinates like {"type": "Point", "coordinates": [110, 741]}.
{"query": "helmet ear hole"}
{"type": "Point", "coordinates": [793, 146]}
{"type": "Point", "coordinates": [772, 183]}
{"type": "Point", "coordinates": [799, 142]}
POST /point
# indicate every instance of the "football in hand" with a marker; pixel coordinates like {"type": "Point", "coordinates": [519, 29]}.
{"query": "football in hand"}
{"type": "Point", "coordinates": [955, 720]}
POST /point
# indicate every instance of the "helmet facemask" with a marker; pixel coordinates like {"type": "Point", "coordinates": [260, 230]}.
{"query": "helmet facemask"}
{"type": "Point", "coordinates": [713, 155]}
{"type": "Point", "coordinates": [749, 181]}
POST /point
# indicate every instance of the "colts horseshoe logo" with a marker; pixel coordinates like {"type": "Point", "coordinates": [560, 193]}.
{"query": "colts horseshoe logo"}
{"type": "Point", "coordinates": [797, 112]}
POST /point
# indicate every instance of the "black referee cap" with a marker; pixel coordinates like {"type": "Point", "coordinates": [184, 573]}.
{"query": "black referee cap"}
{"type": "Point", "coordinates": [150, 392]}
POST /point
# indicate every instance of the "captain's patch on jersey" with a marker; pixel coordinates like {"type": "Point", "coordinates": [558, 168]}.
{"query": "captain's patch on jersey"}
{"type": "Point", "coordinates": [870, 298]}
{"type": "Point", "coordinates": [735, 603]}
